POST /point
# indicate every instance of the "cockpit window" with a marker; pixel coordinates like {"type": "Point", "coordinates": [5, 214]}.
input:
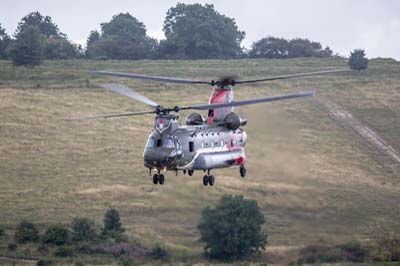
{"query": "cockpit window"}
{"type": "Point", "coordinates": [211, 113]}
{"type": "Point", "coordinates": [150, 143]}
{"type": "Point", "coordinates": [168, 143]}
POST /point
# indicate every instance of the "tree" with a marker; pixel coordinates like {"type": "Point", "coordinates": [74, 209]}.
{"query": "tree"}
{"type": "Point", "coordinates": [93, 37]}
{"type": "Point", "coordinates": [199, 32]}
{"type": "Point", "coordinates": [112, 223]}
{"type": "Point", "coordinates": [44, 23]}
{"type": "Point", "coordinates": [357, 60]}
{"type": "Point", "coordinates": [5, 41]}
{"type": "Point", "coordinates": [28, 47]}
{"type": "Point", "coordinates": [83, 229]}
{"type": "Point", "coordinates": [232, 229]}
{"type": "Point", "coordinates": [124, 37]}
{"type": "Point", "coordinates": [56, 234]}
{"type": "Point", "coordinates": [26, 232]}
{"type": "Point", "coordinates": [60, 48]}
{"type": "Point", "coordinates": [270, 47]}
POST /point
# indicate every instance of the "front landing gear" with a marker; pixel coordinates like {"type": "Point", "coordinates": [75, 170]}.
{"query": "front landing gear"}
{"type": "Point", "coordinates": [242, 171]}
{"type": "Point", "coordinates": [158, 179]}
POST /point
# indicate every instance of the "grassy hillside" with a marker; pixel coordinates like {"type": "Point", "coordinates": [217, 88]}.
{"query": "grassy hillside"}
{"type": "Point", "coordinates": [315, 179]}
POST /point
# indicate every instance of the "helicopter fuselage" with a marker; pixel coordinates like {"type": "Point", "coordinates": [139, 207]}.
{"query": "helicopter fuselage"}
{"type": "Point", "coordinates": [200, 147]}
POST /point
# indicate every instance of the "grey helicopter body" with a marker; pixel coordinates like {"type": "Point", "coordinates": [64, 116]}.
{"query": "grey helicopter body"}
{"type": "Point", "coordinates": [205, 142]}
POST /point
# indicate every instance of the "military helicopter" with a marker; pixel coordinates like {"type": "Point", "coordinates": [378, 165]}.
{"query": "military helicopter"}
{"type": "Point", "coordinates": [203, 143]}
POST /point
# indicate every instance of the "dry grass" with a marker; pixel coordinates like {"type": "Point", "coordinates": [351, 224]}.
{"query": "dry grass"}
{"type": "Point", "coordinates": [314, 179]}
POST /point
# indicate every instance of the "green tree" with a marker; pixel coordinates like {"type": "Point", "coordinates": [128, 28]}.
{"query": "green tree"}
{"type": "Point", "coordinates": [199, 32]}
{"type": "Point", "coordinates": [270, 47]}
{"type": "Point", "coordinates": [44, 23]}
{"type": "Point", "coordinates": [26, 232]}
{"type": "Point", "coordinates": [357, 60]}
{"type": "Point", "coordinates": [28, 48]}
{"type": "Point", "coordinates": [5, 41]}
{"type": "Point", "coordinates": [93, 37]}
{"type": "Point", "coordinates": [60, 48]}
{"type": "Point", "coordinates": [112, 224]}
{"type": "Point", "coordinates": [83, 229]}
{"type": "Point", "coordinates": [56, 234]}
{"type": "Point", "coordinates": [232, 229]}
{"type": "Point", "coordinates": [124, 37]}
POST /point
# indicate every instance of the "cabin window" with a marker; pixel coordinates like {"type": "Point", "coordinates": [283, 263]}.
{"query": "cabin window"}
{"type": "Point", "coordinates": [150, 143]}
{"type": "Point", "coordinates": [211, 113]}
{"type": "Point", "coordinates": [158, 143]}
{"type": "Point", "coordinates": [191, 146]}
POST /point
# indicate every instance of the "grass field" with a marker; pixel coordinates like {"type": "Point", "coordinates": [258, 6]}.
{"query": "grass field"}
{"type": "Point", "coordinates": [315, 179]}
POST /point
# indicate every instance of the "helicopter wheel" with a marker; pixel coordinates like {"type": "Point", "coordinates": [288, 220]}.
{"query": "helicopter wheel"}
{"type": "Point", "coordinates": [206, 179]}
{"type": "Point", "coordinates": [155, 179]}
{"type": "Point", "coordinates": [242, 171]}
{"type": "Point", "coordinates": [161, 179]}
{"type": "Point", "coordinates": [190, 172]}
{"type": "Point", "coordinates": [211, 180]}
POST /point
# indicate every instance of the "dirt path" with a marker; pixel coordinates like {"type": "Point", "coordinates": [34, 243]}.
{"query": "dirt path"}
{"type": "Point", "coordinates": [342, 115]}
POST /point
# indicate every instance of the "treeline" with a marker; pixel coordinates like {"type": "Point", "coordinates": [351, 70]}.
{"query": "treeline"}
{"type": "Point", "coordinates": [192, 31]}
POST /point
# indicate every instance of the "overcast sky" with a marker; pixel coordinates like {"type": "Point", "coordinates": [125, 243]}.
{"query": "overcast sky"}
{"type": "Point", "coordinates": [344, 25]}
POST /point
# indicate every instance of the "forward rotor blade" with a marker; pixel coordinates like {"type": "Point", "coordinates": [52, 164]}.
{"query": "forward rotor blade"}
{"type": "Point", "coordinates": [111, 115]}
{"type": "Point", "coordinates": [124, 90]}
{"type": "Point", "coordinates": [247, 102]}
{"type": "Point", "coordinates": [292, 76]}
{"type": "Point", "coordinates": [152, 78]}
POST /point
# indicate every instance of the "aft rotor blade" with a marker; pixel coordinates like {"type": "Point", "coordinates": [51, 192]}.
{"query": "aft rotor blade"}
{"type": "Point", "coordinates": [111, 115]}
{"type": "Point", "coordinates": [247, 102]}
{"type": "Point", "coordinates": [124, 90]}
{"type": "Point", "coordinates": [152, 78]}
{"type": "Point", "coordinates": [292, 76]}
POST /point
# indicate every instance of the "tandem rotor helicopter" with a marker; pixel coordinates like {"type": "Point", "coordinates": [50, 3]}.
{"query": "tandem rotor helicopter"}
{"type": "Point", "coordinates": [205, 142]}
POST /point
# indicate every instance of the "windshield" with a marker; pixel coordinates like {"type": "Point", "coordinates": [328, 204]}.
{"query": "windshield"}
{"type": "Point", "coordinates": [150, 143]}
{"type": "Point", "coordinates": [168, 143]}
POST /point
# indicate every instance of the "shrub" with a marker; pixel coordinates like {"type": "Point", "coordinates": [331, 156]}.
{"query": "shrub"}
{"type": "Point", "coordinates": [112, 224]}
{"type": "Point", "coordinates": [357, 60]}
{"type": "Point", "coordinates": [44, 263]}
{"type": "Point", "coordinates": [83, 229]}
{"type": "Point", "coordinates": [56, 234]}
{"type": "Point", "coordinates": [1, 232]}
{"type": "Point", "coordinates": [232, 229]}
{"type": "Point", "coordinates": [85, 248]}
{"type": "Point", "coordinates": [158, 252]}
{"type": "Point", "coordinates": [12, 247]}
{"type": "Point", "coordinates": [353, 251]}
{"type": "Point", "coordinates": [64, 252]}
{"type": "Point", "coordinates": [126, 261]}
{"type": "Point", "coordinates": [386, 246]}
{"type": "Point", "coordinates": [26, 232]}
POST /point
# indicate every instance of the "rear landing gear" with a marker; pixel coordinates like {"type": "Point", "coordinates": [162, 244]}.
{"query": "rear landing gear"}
{"type": "Point", "coordinates": [242, 171]}
{"type": "Point", "coordinates": [208, 179]}
{"type": "Point", "coordinates": [158, 179]}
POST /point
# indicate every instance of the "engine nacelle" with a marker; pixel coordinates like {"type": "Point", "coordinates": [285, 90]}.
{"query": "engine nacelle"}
{"type": "Point", "coordinates": [233, 121]}
{"type": "Point", "coordinates": [194, 119]}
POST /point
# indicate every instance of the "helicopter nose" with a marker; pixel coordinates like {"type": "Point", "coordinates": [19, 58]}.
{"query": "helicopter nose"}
{"type": "Point", "coordinates": [159, 158]}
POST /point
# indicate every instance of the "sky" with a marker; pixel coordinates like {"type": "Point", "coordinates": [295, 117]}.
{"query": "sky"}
{"type": "Point", "coordinates": [343, 25]}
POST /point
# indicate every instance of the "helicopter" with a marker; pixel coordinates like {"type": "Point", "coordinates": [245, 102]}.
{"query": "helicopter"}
{"type": "Point", "coordinates": [204, 143]}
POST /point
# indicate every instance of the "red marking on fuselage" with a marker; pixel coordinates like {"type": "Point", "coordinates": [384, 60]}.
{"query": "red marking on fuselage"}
{"type": "Point", "coordinates": [240, 160]}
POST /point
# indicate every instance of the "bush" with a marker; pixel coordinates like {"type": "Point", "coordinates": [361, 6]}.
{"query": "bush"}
{"type": "Point", "coordinates": [386, 246]}
{"type": "Point", "coordinates": [354, 252]}
{"type": "Point", "coordinates": [2, 233]}
{"type": "Point", "coordinates": [26, 232]}
{"type": "Point", "coordinates": [87, 249]}
{"type": "Point", "coordinates": [126, 261]}
{"type": "Point", "coordinates": [112, 225]}
{"type": "Point", "coordinates": [12, 247]}
{"type": "Point", "coordinates": [64, 252]}
{"type": "Point", "coordinates": [43, 263]}
{"type": "Point", "coordinates": [158, 252]}
{"type": "Point", "coordinates": [83, 229]}
{"type": "Point", "coordinates": [232, 229]}
{"type": "Point", "coordinates": [28, 47]}
{"type": "Point", "coordinates": [56, 234]}
{"type": "Point", "coordinates": [357, 60]}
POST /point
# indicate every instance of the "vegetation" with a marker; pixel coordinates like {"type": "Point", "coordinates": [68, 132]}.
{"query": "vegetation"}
{"type": "Point", "coordinates": [28, 47]}
{"type": "Point", "coordinates": [194, 31]}
{"type": "Point", "coordinates": [158, 252]}
{"type": "Point", "coordinates": [232, 230]}
{"type": "Point", "coordinates": [26, 232]}
{"type": "Point", "coordinates": [83, 229]}
{"type": "Point", "coordinates": [112, 224]}
{"type": "Point", "coordinates": [56, 235]}
{"type": "Point", "coordinates": [316, 183]}
{"type": "Point", "coordinates": [357, 60]}
{"type": "Point", "coordinates": [5, 41]}
{"type": "Point", "coordinates": [279, 48]}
